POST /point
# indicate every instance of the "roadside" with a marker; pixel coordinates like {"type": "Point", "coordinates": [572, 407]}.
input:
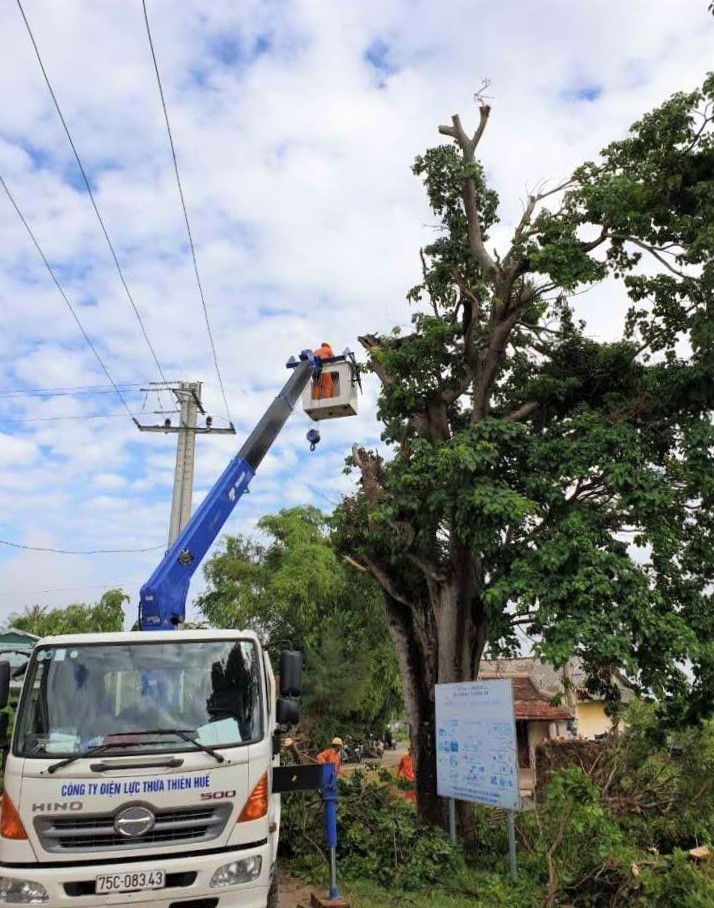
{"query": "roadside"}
{"type": "Point", "coordinates": [293, 892]}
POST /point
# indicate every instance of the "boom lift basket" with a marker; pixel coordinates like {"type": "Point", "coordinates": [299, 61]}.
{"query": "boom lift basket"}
{"type": "Point", "coordinates": [335, 393]}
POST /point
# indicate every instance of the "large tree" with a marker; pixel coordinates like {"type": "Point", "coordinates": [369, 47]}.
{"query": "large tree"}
{"type": "Point", "coordinates": [290, 585]}
{"type": "Point", "coordinates": [542, 478]}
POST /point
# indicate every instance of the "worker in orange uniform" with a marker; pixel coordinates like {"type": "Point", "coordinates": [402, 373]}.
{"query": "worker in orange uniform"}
{"type": "Point", "coordinates": [405, 769]}
{"type": "Point", "coordinates": [405, 772]}
{"type": "Point", "coordinates": [332, 754]}
{"type": "Point", "coordinates": [322, 386]}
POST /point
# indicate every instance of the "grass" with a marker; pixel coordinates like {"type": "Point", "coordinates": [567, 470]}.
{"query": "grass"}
{"type": "Point", "coordinates": [472, 889]}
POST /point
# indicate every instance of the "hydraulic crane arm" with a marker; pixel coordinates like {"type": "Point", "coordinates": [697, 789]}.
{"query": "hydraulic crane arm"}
{"type": "Point", "coordinates": [162, 603]}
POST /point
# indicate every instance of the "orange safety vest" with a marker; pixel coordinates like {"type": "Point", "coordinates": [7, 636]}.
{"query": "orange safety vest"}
{"type": "Point", "coordinates": [405, 770]}
{"type": "Point", "coordinates": [330, 755]}
{"type": "Point", "coordinates": [323, 387]}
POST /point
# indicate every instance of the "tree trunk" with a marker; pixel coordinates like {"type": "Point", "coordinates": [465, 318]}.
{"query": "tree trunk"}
{"type": "Point", "coordinates": [436, 643]}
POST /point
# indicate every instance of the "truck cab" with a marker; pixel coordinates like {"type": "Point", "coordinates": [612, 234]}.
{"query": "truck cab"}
{"type": "Point", "coordinates": [140, 772]}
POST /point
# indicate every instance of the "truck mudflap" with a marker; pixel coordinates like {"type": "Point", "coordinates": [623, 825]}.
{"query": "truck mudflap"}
{"type": "Point", "coordinates": [230, 878]}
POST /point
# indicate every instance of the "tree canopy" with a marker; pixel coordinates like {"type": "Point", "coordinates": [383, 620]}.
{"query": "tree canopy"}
{"type": "Point", "coordinates": [291, 587]}
{"type": "Point", "coordinates": [543, 478]}
{"type": "Point", "coordinates": [107, 615]}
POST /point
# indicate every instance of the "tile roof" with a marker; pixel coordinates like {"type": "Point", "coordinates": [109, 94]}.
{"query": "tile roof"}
{"type": "Point", "coordinates": [531, 703]}
{"type": "Point", "coordinates": [549, 679]}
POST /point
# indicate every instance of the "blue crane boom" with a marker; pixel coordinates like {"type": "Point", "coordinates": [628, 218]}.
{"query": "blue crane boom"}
{"type": "Point", "coordinates": [162, 600]}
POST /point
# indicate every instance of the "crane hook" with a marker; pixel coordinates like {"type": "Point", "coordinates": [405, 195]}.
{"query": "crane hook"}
{"type": "Point", "coordinates": [313, 436]}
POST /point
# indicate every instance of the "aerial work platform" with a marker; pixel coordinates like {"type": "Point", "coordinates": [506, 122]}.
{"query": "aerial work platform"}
{"type": "Point", "coordinates": [335, 392]}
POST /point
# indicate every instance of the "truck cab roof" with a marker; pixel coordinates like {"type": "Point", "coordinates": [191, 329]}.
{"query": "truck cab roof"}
{"type": "Point", "coordinates": [147, 637]}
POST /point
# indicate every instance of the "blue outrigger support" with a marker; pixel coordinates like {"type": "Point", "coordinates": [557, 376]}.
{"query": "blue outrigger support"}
{"type": "Point", "coordinates": [315, 777]}
{"type": "Point", "coordinates": [329, 797]}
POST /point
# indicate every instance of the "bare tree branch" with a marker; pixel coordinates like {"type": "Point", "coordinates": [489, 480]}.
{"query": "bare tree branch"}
{"type": "Point", "coordinates": [470, 197]}
{"type": "Point", "coordinates": [369, 465]}
{"type": "Point", "coordinates": [384, 581]}
{"type": "Point", "coordinates": [524, 410]}
{"type": "Point", "coordinates": [653, 252]}
{"type": "Point", "coordinates": [372, 345]}
{"type": "Point", "coordinates": [355, 564]}
{"type": "Point", "coordinates": [429, 569]}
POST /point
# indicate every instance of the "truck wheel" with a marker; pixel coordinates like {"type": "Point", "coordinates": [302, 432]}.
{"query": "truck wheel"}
{"type": "Point", "coordinates": [273, 891]}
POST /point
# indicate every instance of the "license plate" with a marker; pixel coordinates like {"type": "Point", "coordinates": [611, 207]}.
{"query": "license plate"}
{"type": "Point", "coordinates": [131, 882]}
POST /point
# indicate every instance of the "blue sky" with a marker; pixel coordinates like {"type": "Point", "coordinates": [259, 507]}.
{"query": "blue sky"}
{"type": "Point", "coordinates": [296, 122]}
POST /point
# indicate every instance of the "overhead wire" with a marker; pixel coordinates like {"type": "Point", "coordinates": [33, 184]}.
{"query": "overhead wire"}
{"type": "Point", "coordinates": [22, 419]}
{"type": "Point", "coordinates": [66, 589]}
{"type": "Point", "coordinates": [185, 212]}
{"type": "Point", "coordinates": [128, 388]}
{"type": "Point", "coordinates": [89, 191]}
{"type": "Point", "coordinates": [64, 296]}
{"type": "Point", "coordinates": [35, 548]}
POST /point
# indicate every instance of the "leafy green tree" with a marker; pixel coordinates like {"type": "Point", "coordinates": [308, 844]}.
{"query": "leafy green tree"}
{"type": "Point", "coordinates": [295, 591]}
{"type": "Point", "coordinates": [531, 462]}
{"type": "Point", "coordinates": [107, 615]}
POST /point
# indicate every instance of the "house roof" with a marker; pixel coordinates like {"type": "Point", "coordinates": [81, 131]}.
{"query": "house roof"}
{"type": "Point", "coordinates": [15, 632]}
{"type": "Point", "coordinates": [531, 703]}
{"type": "Point", "coordinates": [549, 679]}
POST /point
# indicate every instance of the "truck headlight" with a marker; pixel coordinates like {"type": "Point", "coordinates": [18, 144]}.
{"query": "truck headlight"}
{"type": "Point", "coordinates": [236, 872]}
{"type": "Point", "coordinates": [21, 892]}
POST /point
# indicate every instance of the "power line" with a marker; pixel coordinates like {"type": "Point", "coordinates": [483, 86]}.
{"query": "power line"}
{"type": "Point", "coordinates": [33, 548]}
{"type": "Point", "coordinates": [62, 392]}
{"type": "Point", "coordinates": [89, 190]}
{"type": "Point", "coordinates": [22, 419]}
{"type": "Point", "coordinates": [65, 297]}
{"type": "Point", "coordinates": [65, 589]}
{"type": "Point", "coordinates": [185, 212]}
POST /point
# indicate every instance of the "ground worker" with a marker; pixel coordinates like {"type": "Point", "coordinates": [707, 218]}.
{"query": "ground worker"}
{"type": "Point", "coordinates": [405, 772]}
{"type": "Point", "coordinates": [405, 769]}
{"type": "Point", "coordinates": [332, 754]}
{"type": "Point", "coordinates": [322, 387]}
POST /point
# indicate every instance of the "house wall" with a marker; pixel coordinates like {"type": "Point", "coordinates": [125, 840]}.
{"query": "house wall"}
{"type": "Point", "coordinates": [592, 719]}
{"type": "Point", "coordinates": [537, 733]}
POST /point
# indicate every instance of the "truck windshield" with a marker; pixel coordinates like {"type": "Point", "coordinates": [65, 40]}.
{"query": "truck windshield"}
{"type": "Point", "coordinates": [81, 696]}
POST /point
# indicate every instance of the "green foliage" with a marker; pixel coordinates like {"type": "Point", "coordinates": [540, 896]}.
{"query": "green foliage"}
{"type": "Point", "coordinates": [107, 615]}
{"type": "Point", "coordinates": [674, 881]}
{"type": "Point", "coordinates": [377, 834]}
{"type": "Point", "coordinates": [573, 838]}
{"type": "Point", "coordinates": [294, 590]}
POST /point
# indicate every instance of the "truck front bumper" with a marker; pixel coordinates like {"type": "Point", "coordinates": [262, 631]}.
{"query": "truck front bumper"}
{"type": "Point", "coordinates": [188, 883]}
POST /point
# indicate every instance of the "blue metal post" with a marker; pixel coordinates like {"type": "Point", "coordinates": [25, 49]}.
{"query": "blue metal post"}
{"type": "Point", "coordinates": [329, 796]}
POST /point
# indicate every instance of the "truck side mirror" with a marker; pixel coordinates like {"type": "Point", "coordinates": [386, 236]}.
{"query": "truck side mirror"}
{"type": "Point", "coordinates": [4, 684]}
{"type": "Point", "coordinates": [4, 722]}
{"type": "Point", "coordinates": [287, 712]}
{"type": "Point", "coordinates": [290, 673]}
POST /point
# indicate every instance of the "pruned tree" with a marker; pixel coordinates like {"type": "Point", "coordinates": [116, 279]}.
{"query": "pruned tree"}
{"type": "Point", "coordinates": [541, 478]}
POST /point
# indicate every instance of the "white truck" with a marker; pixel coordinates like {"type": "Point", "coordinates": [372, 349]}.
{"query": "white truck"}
{"type": "Point", "coordinates": [140, 772]}
{"type": "Point", "coordinates": [143, 766]}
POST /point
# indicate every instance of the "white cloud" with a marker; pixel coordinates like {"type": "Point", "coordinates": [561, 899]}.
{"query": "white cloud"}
{"type": "Point", "coordinates": [296, 169]}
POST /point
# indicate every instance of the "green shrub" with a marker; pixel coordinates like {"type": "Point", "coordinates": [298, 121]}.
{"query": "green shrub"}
{"type": "Point", "coordinates": [378, 836]}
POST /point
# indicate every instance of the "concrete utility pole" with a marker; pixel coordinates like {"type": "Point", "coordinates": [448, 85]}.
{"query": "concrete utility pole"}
{"type": "Point", "coordinates": [188, 396]}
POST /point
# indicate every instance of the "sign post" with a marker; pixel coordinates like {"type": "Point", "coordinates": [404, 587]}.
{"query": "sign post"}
{"type": "Point", "coordinates": [476, 752]}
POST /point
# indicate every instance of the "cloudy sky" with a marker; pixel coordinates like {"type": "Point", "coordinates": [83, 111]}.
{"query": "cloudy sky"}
{"type": "Point", "coordinates": [296, 122]}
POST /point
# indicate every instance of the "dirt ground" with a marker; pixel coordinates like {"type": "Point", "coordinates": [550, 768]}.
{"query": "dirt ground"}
{"type": "Point", "coordinates": [293, 892]}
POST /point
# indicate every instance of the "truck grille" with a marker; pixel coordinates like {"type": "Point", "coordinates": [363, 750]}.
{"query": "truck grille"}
{"type": "Point", "coordinates": [96, 833]}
